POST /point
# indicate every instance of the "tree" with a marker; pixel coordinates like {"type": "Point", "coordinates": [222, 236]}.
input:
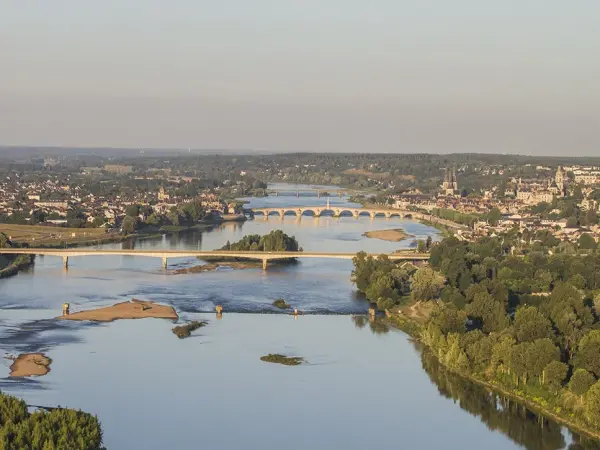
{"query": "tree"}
{"type": "Point", "coordinates": [4, 242]}
{"type": "Point", "coordinates": [129, 225]}
{"type": "Point", "coordinates": [426, 284]}
{"type": "Point", "coordinates": [554, 374]}
{"type": "Point", "coordinates": [587, 242]}
{"type": "Point", "coordinates": [421, 246]}
{"type": "Point", "coordinates": [539, 354]}
{"type": "Point", "coordinates": [132, 210]}
{"type": "Point", "coordinates": [494, 216]}
{"type": "Point", "coordinates": [449, 319]}
{"type": "Point", "coordinates": [581, 381]}
{"type": "Point", "coordinates": [588, 353]}
{"type": "Point", "coordinates": [487, 313]}
{"type": "Point", "coordinates": [530, 324]}
{"type": "Point", "coordinates": [592, 405]}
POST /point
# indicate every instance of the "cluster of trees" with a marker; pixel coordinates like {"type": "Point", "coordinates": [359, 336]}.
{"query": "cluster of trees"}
{"type": "Point", "coordinates": [57, 429]}
{"type": "Point", "coordinates": [527, 322]}
{"type": "Point", "coordinates": [385, 283]}
{"type": "Point", "coordinates": [138, 216]}
{"type": "Point", "coordinates": [275, 241]}
{"type": "Point", "coordinates": [455, 216]}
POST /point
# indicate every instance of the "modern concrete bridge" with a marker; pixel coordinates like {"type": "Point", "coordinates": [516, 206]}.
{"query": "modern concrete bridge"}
{"type": "Point", "coordinates": [164, 255]}
{"type": "Point", "coordinates": [338, 211]}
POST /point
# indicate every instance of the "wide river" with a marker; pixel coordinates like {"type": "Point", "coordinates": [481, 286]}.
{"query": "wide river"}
{"type": "Point", "coordinates": [364, 386]}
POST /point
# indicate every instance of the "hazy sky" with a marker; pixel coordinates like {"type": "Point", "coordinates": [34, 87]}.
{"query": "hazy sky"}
{"type": "Point", "coordinates": [518, 76]}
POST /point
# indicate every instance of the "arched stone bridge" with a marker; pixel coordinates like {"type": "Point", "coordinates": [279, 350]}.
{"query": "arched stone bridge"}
{"type": "Point", "coordinates": [164, 255]}
{"type": "Point", "coordinates": [339, 211]}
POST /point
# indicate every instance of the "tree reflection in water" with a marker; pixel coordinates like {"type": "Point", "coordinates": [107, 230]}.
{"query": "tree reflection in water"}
{"type": "Point", "coordinates": [376, 325]}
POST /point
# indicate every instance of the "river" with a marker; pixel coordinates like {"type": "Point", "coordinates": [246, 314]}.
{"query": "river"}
{"type": "Point", "coordinates": [363, 386]}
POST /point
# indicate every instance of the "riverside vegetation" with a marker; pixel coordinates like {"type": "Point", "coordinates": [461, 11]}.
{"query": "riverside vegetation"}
{"type": "Point", "coordinates": [519, 313]}
{"type": "Point", "coordinates": [184, 331]}
{"type": "Point", "coordinates": [281, 359]}
{"type": "Point", "coordinates": [12, 264]}
{"type": "Point", "coordinates": [41, 430]}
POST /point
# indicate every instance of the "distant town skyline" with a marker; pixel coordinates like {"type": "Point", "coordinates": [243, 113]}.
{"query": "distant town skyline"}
{"type": "Point", "coordinates": [312, 76]}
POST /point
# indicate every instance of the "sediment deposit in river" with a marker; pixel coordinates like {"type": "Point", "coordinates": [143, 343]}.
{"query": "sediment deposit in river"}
{"type": "Point", "coordinates": [30, 364]}
{"type": "Point", "coordinates": [135, 309]}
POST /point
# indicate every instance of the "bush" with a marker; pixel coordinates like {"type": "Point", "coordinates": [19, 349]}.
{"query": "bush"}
{"type": "Point", "coordinates": [183, 331]}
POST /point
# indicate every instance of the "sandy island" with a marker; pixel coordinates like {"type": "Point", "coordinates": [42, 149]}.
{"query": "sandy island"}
{"type": "Point", "coordinates": [30, 364]}
{"type": "Point", "coordinates": [395, 235]}
{"type": "Point", "coordinates": [135, 309]}
{"type": "Point", "coordinates": [235, 265]}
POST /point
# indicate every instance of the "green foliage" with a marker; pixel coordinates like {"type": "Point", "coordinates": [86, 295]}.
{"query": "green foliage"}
{"type": "Point", "coordinates": [581, 381]}
{"type": "Point", "coordinates": [426, 284]}
{"type": "Point", "coordinates": [588, 353]}
{"type": "Point", "coordinates": [382, 281]}
{"type": "Point", "coordinates": [58, 429]}
{"type": "Point", "coordinates": [449, 319]}
{"type": "Point", "coordinates": [281, 304]}
{"type": "Point", "coordinates": [513, 337]}
{"type": "Point", "coordinates": [275, 241]}
{"type": "Point", "coordinates": [184, 331]}
{"type": "Point", "coordinates": [555, 374]}
{"type": "Point", "coordinates": [587, 242]}
{"type": "Point", "coordinates": [530, 325]}
{"type": "Point", "coordinates": [592, 405]}
{"type": "Point", "coordinates": [276, 358]}
{"type": "Point", "coordinates": [129, 224]}
{"type": "Point", "coordinates": [4, 242]}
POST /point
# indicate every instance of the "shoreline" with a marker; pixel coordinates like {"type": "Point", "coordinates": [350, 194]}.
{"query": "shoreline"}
{"type": "Point", "coordinates": [412, 328]}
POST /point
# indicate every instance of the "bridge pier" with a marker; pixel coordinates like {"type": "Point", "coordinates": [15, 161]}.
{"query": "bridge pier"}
{"type": "Point", "coordinates": [65, 262]}
{"type": "Point", "coordinates": [164, 262]}
{"type": "Point", "coordinates": [264, 264]}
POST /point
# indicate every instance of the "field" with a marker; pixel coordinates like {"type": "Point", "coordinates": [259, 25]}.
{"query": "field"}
{"type": "Point", "coordinates": [38, 235]}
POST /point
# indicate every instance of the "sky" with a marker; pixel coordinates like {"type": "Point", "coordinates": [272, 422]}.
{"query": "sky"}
{"type": "Point", "coordinates": [509, 76]}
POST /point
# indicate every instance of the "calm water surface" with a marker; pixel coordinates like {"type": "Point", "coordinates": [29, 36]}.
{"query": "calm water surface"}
{"type": "Point", "coordinates": [364, 386]}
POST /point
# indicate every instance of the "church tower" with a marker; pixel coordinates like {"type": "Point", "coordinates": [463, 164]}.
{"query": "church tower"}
{"type": "Point", "coordinates": [450, 184]}
{"type": "Point", "coordinates": [560, 180]}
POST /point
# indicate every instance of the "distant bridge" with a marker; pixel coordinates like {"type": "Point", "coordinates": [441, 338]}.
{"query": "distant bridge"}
{"type": "Point", "coordinates": [164, 255]}
{"type": "Point", "coordinates": [339, 211]}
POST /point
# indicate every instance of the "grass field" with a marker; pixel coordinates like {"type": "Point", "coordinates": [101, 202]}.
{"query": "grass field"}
{"type": "Point", "coordinates": [46, 235]}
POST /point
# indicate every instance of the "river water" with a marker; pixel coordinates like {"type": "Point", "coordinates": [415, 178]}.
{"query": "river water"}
{"type": "Point", "coordinates": [363, 386]}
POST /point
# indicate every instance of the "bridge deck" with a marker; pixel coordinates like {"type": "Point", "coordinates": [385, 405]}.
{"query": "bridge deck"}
{"type": "Point", "coordinates": [195, 253]}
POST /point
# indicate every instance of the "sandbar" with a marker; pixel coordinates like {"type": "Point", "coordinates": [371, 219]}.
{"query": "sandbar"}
{"type": "Point", "coordinates": [235, 265]}
{"type": "Point", "coordinates": [395, 235]}
{"type": "Point", "coordinates": [135, 309]}
{"type": "Point", "coordinates": [30, 364]}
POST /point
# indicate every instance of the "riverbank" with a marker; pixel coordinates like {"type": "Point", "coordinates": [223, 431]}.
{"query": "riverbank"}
{"type": "Point", "coordinates": [30, 364]}
{"type": "Point", "coordinates": [135, 309]}
{"type": "Point", "coordinates": [414, 327]}
{"type": "Point", "coordinates": [19, 263]}
{"type": "Point", "coordinates": [394, 235]}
